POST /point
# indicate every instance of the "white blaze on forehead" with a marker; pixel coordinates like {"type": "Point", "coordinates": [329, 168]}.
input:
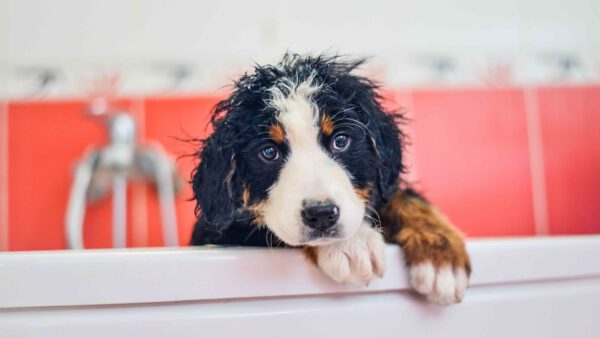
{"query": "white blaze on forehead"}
{"type": "Point", "coordinates": [309, 173]}
{"type": "Point", "coordinates": [296, 111]}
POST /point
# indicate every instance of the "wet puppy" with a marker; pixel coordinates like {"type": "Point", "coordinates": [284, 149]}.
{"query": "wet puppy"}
{"type": "Point", "coordinates": [304, 155]}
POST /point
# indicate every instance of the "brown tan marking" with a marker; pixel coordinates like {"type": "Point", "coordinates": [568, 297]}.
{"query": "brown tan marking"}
{"type": "Point", "coordinates": [423, 232]}
{"type": "Point", "coordinates": [364, 193]}
{"type": "Point", "coordinates": [327, 125]}
{"type": "Point", "coordinates": [277, 133]}
{"type": "Point", "coordinates": [310, 253]}
{"type": "Point", "coordinates": [245, 195]}
{"type": "Point", "coordinates": [257, 210]}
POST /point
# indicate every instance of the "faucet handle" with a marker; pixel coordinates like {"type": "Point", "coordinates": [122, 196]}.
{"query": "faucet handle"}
{"type": "Point", "coordinates": [98, 106]}
{"type": "Point", "coordinates": [103, 106]}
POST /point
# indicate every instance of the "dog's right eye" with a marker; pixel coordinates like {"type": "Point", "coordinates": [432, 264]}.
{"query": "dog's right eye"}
{"type": "Point", "coordinates": [340, 142]}
{"type": "Point", "coordinates": [269, 154]}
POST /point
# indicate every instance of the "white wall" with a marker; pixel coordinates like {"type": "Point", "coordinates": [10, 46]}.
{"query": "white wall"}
{"type": "Point", "coordinates": [143, 39]}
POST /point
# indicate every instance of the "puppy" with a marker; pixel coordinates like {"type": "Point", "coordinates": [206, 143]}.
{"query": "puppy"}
{"type": "Point", "coordinates": [304, 155]}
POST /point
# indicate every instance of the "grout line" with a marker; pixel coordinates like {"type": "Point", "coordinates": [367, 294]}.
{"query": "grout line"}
{"type": "Point", "coordinates": [536, 162]}
{"type": "Point", "coordinates": [4, 230]}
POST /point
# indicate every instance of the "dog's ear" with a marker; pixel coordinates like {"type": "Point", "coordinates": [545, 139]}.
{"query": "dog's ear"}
{"type": "Point", "coordinates": [215, 182]}
{"type": "Point", "coordinates": [388, 145]}
{"type": "Point", "coordinates": [385, 137]}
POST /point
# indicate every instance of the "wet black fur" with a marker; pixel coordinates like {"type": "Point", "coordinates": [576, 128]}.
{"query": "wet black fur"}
{"type": "Point", "coordinates": [230, 161]}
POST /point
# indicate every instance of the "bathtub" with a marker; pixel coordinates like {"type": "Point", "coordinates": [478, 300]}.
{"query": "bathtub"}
{"type": "Point", "coordinates": [529, 287]}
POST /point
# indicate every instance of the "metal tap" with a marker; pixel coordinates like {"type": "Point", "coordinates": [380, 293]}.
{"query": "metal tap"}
{"type": "Point", "coordinates": [110, 167]}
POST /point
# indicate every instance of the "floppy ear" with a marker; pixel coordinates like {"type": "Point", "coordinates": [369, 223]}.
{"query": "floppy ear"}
{"type": "Point", "coordinates": [385, 138]}
{"type": "Point", "coordinates": [388, 145]}
{"type": "Point", "coordinates": [215, 182]}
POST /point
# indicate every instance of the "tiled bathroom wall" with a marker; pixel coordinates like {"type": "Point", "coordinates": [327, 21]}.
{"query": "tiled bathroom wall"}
{"type": "Point", "coordinates": [472, 158]}
{"type": "Point", "coordinates": [43, 142]}
{"type": "Point", "coordinates": [570, 130]}
{"type": "Point", "coordinates": [499, 162]}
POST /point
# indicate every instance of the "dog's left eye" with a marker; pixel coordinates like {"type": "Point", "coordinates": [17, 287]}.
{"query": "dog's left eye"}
{"type": "Point", "coordinates": [340, 142]}
{"type": "Point", "coordinates": [268, 154]}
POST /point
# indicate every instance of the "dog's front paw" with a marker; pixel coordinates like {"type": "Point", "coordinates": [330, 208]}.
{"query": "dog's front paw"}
{"type": "Point", "coordinates": [353, 261]}
{"type": "Point", "coordinates": [438, 264]}
{"type": "Point", "coordinates": [443, 284]}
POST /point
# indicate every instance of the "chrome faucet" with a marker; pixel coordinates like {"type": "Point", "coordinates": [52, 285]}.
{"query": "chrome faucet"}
{"type": "Point", "coordinates": [110, 167]}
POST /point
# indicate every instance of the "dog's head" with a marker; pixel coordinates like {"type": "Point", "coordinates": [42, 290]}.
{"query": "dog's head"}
{"type": "Point", "coordinates": [302, 147]}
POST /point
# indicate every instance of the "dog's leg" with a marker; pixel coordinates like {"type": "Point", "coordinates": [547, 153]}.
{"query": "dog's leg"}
{"type": "Point", "coordinates": [438, 263]}
{"type": "Point", "coordinates": [355, 260]}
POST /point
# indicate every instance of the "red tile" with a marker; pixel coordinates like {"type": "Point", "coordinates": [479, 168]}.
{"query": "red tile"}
{"type": "Point", "coordinates": [45, 140]}
{"type": "Point", "coordinates": [570, 123]}
{"type": "Point", "coordinates": [472, 156]}
{"type": "Point", "coordinates": [170, 121]}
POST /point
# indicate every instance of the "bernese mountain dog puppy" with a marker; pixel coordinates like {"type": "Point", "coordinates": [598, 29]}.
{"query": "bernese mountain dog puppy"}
{"type": "Point", "coordinates": [304, 155]}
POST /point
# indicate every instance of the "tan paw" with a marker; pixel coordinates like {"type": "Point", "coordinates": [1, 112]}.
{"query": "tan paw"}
{"type": "Point", "coordinates": [438, 264]}
{"type": "Point", "coordinates": [355, 260]}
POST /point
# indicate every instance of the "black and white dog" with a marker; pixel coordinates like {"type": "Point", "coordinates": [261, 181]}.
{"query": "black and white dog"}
{"type": "Point", "coordinates": [304, 155]}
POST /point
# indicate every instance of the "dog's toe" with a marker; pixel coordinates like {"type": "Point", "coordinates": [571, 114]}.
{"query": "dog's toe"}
{"type": "Point", "coordinates": [356, 260]}
{"type": "Point", "coordinates": [442, 285]}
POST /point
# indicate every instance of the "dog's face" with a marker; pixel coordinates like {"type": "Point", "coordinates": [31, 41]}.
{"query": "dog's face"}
{"type": "Point", "coordinates": [317, 190]}
{"type": "Point", "coordinates": [299, 148]}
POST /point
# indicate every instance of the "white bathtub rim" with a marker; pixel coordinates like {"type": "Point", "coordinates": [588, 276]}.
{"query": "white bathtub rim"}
{"type": "Point", "coordinates": [103, 277]}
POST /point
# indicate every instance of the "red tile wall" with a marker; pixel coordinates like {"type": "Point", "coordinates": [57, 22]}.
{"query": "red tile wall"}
{"type": "Point", "coordinates": [473, 160]}
{"type": "Point", "coordinates": [469, 153]}
{"type": "Point", "coordinates": [570, 125]}
{"type": "Point", "coordinates": [45, 139]}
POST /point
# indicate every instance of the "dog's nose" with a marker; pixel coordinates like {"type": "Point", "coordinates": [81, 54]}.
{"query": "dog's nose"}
{"type": "Point", "coordinates": [320, 217]}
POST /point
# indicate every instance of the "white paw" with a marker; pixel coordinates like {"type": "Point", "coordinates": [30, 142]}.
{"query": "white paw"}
{"type": "Point", "coordinates": [442, 285]}
{"type": "Point", "coordinates": [355, 260]}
